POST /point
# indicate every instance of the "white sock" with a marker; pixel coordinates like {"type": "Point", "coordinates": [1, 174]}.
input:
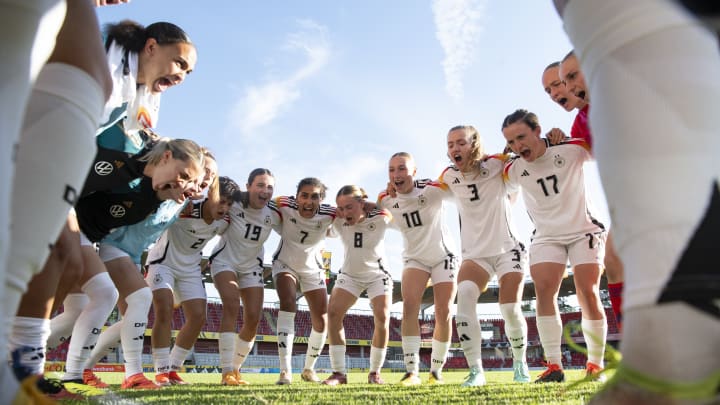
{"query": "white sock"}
{"type": "Point", "coordinates": [27, 343]}
{"type": "Point", "coordinates": [62, 325]}
{"type": "Point", "coordinates": [337, 358]}
{"type": "Point", "coordinates": [102, 296]}
{"type": "Point", "coordinates": [595, 333]}
{"type": "Point", "coordinates": [316, 342]}
{"type": "Point", "coordinates": [109, 339]}
{"type": "Point", "coordinates": [466, 321]}
{"type": "Point", "coordinates": [377, 358]}
{"type": "Point", "coordinates": [27, 36]}
{"type": "Point", "coordinates": [66, 102]}
{"type": "Point", "coordinates": [411, 353]}
{"type": "Point", "coordinates": [133, 329]}
{"type": "Point", "coordinates": [226, 346]}
{"type": "Point", "coordinates": [242, 348]}
{"type": "Point", "coordinates": [550, 331]}
{"type": "Point", "coordinates": [286, 336]}
{"type": "Point", "coordinates": [178, 355]}
{"type": "Point", "coordinates": [161, 359]}
{"type": "Point", "coordinates": [438, 355]}
{"type": "Point", "coordinates": [515, 329]}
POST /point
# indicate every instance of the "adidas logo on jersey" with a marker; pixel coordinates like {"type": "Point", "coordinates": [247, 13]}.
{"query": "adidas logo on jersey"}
{"type": "Point", "coordinates": [456, 181]}
{"type": "Point", "coordinates": [524, 173]}
{"type": "Point", "coordinates": [396, 205]}
{"type": "Point", "coordinates": [293, 220]}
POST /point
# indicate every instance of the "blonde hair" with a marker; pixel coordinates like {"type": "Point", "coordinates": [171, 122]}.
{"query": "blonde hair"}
{"type": "Point", "coordinates": [477, 153]}
{"type": "Point", "coordinates": [353, 191]}
{"type": "Point", "coordinates": [181, 149]}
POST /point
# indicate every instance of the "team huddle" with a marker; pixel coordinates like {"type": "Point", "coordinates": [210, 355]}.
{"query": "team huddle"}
{"type": "Point", "coordinates": [132, 191]}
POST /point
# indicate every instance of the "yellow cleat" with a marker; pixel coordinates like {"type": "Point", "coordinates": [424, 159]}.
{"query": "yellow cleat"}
{"type": "Point", "coordinates": [435, 378]}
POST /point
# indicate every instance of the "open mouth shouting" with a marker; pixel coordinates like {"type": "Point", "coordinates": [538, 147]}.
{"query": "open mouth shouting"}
{"type": "Point", "coordinates": [525, 152]}
{"type": "Point", "coordinates": [162, 84]}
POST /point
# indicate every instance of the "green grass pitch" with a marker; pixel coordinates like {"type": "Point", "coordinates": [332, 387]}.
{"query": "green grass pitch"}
{"type": "Point", "coordinates": [206, 390]}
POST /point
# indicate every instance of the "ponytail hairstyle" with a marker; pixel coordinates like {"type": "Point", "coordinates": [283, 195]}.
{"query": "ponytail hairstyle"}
{"type": "Point", "coordinates": [477, 152]}
{"type": "Point", "coordinates": [132, 36]}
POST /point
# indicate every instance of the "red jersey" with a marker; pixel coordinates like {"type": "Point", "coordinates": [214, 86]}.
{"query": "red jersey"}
{"type": "Point", "coordinates": [581, 127]}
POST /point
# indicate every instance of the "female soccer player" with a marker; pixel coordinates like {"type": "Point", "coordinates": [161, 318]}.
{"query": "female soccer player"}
{"type": "Point", "coordinates": [552, 182]}
{"type": "Point", "coordinates": [570, 73]}
{"type": "Point", "coordinates": [174, 271]}
{"type": "Point", "coordinates": [236, 266]}
{"type": "Point", "coordinates": [297, 263]}
{"type": "Point", "coordinates": [489, 248]}
{"type": "Point", "coordinates": [363, 235]}
{"type": "Point", "coordinates": [175, 167]}
{"type": "Point", "coordinates": [656, 145]}
{"type": "Point", "coordinates": [418, 213]}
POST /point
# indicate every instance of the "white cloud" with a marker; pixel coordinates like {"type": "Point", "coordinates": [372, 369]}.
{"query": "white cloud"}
{"type": "Point", "coordinates": [458, 27]}
{"type": "Point", "coordinates": [262, 103]}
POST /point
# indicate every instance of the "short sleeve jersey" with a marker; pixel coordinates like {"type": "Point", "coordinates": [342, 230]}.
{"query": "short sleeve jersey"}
{"type": "Point", "coordinates": [180, 246]}
{"type": "Point", "coordinates": [419, 217]}
{"type": "Point", "coordinates": [364, 245]}
{"type": "Point", "coordinates": [242, 244]}
{"type": "Point", "coordinates": [301, 238]}
{"type": "Point", "coordinates": [553, 187]}
{"type": "Point", "coordinates": [484, 208]}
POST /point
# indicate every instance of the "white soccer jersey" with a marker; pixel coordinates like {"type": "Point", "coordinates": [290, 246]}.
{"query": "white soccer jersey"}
{"type": "Point", "coordinates": [419, 217]}
{"type": "Point", "coordinates": [180, 246]}
{"type": "Point", "coordinates": [301, 238]}
{"type": "Point", "coordinates": [553, 187]}
{"type": "Point", "coordinates": [484, 208]}
{"type": "Point", "coordinates": [364, 245]}
{"type": "Point", "coordinates": [242, 244]}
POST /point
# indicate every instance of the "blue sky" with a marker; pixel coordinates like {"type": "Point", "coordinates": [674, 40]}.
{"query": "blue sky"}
{"type": "Point", "coordinates": [331, 89]}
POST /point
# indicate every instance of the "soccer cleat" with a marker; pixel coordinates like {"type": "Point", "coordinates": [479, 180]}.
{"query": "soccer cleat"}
{"type": "Point", "coordinates": [29, 393]}
{"type": "Point", "coordinates": [309, 376]}
{"type": "Point", "coordinates": [285, 378]}
{"type": "Point", "coordinates": [410, 379]}
{"type": "Point", "coordinates": [230, 378]}
{"type": "Point", "coordinates": [553, 374]}
{"type": "Point", "coordinates": [56, 390]}
{"type": "Point", "coordinates": [374, 378]}
{"type": "Point", "coordinates": [435, 378]}
{"type": "Point", "coordinates": [175, 379]}
{"type": "Point", "coordinates": [162, 379]}
{"type": "Point", "coordinates": [77, 386]}
{"type": "Point", "coordinates": [89, 378]}
{"type": "Point", "coordinates": [138, 382]}
{"type": "Point", "coordinates": [239, 378]}
{"type": "Point", "coordinates": [593, 372]}
{"type": "Point", "coordinates": [476, 378]}
{"type": "Point", "coordinates": [521, 372]}
{"type": "Point", "coordinates": [630, 386]}
{"type": "Point", "coordinates": [335, 378]}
